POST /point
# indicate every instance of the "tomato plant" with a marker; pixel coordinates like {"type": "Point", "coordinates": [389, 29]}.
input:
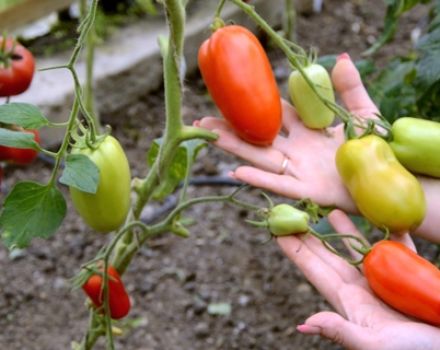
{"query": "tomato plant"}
{"type": "Point", "coordinates": [17, 66]}
{"type": "Point", "coordinates": [285, 220]}
{"type": "Point", "coordinates": [416, 144]}
{"type": "Point", "coordinates": [311, 109]}
{"type": "Point", "coordinates": [118, 299]}
{"type": "Point", "coordinates": [404, 280]}
{"type": "Point", "coordinates": [239, 78]}
{"type": "Point", "coordinates": [384, 191]}
{"type": "Point", "coordinates": [107, 209]}
{"type": "Point", "coordinates": [21, 156]}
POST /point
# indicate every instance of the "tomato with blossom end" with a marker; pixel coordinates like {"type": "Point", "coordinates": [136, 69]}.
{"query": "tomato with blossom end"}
{"type": "Point", "coordinates": [286, 220]}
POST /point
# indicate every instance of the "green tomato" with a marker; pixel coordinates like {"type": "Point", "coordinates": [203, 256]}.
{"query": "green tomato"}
{"type": "Point", "coordinates": [107, 209]}
{"type": "Point", "coordinates": [286, 220]}
{"type": "Point", "coordinates": [312, 111]}
{"type": "Point", "coordinates": [416, 144]}
{"type": "Point", "coordinates": [384, 191]}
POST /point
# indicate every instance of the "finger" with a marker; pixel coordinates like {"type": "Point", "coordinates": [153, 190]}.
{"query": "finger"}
{"type": "Point", "coordinates": [211, 123]}
{"type": "Point", "coordinates": [347, 272]}
{"type": "Point", "coordinates": [266, 158]}
{"type": "Point", "coordinates": [285, 185]}
{"type": "Point", "coordinates": [348, 84]}
{"type": "Point", "coordinates": [404, 239]}
{"type": "Point", "coordinates": [290, 117]}
{"type": "Point", "coordinates": [322, 276]}
{"type": "Point", "coordinates": [342, 224]}
{"type": "Point", "coordinates": [334, 327]}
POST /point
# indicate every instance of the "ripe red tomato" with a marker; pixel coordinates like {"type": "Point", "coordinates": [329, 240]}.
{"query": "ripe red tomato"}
{"type": "Point", "coordinates": [21, 156]}
{"type": "Point", "coordinates": [238, 75]}
{"type": "Point", "coordinates": [119, 302]}
{"type": "Point", "coordinates": [17, 66]}
{"type": "Point", "coordinates": [404, 280]}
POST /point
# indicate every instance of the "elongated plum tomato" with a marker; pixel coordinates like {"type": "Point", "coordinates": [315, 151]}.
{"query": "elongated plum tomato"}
{"type": "Point", "coordinates": [286, 220]}
{"type": "Point", "coordinates": [119, 301]}
{"type": "Point", "coordinates": [404, 280]}
{"type": "Point", "coordinates": [384, 191]}
{"type": "Point", "coordinates": [107, 209]}
{"type": "Point", "coordinates": [416, 144]}
{"type": "Point", "coordinates": [312, 111]}
{"type": "Point", "coordinates": [238, 75]}
{"type": "Point", "coordinates": [17, 66]}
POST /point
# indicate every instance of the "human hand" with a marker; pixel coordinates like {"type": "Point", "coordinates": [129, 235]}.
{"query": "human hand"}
{"type": "Point", "coordinates": [301, 162]}
{"type": "Point", "coordinates": [310, 171]}
{"type": "Point", "coordinates": [361, 321]}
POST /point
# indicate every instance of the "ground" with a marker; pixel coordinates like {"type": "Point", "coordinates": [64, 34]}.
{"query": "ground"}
{"type": "Point", "coordinates": [172, 281]}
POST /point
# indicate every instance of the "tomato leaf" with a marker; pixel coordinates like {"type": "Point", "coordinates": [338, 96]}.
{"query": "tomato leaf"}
{"type": "Point", "coordinates": [31, 210]}
{"type": "Point", "coordinates": [23, 114]}
{"type": "Point", "coordinates": [178, 169]}
{"type": "Point", "coordinates": [18, 139]}
{"type": "Point", "coordinates": [80, 172]}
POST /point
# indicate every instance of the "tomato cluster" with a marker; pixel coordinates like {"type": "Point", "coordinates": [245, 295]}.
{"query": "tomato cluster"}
{"type": "Point", "coordinates": [378, 174]}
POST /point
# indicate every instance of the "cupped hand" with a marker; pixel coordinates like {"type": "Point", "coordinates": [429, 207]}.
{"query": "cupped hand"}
{"type": "Point", "coordinates": [311, 170]}
{"type": "Point", "coordinates": [361, 321]}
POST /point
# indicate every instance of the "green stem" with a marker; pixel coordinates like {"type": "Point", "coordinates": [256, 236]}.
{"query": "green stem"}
{"type": "Point", "coordinates": [65, 143]}
{"type": "Point", "coordinates": [362, 249]}
{"type": "Point", "coordinates": [293, 58]}
{"type": "Point", "coordinates": [289, 20]}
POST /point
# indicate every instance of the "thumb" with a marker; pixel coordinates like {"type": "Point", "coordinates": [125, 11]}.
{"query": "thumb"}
{"type": "Point", "coordinates": [335, 328]}
{"type": "Point", "coordinates": [348, 83]}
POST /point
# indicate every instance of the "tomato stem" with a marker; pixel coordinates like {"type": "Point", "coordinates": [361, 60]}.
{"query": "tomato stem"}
{"type": "Point", "coordinates": [362, 247]}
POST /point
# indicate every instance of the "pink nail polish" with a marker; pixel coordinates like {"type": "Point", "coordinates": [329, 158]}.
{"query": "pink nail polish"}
{"type": "Point", "coordinates": [343, 56]}
{"type": "Point", "coordinates": [307, 329]}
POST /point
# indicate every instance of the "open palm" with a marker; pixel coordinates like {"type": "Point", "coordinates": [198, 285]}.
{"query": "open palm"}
{"type": "Point", "coordinates": [361, 320]}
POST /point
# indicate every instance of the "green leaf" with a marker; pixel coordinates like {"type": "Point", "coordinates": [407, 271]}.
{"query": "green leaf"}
{"type": "Point", "coordinates": [177, 170]}
{"type": "Point", "coordinates": [80, 172]}
{"type": "Point", "coordinates": [23, 114]}
{"type": "Point", "coordinates": [18, 139]}
{"type": "Point", "coordinates": [31, 210]}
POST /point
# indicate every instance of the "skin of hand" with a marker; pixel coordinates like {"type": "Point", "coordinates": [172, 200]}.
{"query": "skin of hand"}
{"type": "Point", "coordinates": [311, 171]}
{"type": "Point", "coordinates": [361, 320]}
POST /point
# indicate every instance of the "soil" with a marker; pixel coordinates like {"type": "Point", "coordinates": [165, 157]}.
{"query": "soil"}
{"type": "Point", "coordinates": [173, 281]}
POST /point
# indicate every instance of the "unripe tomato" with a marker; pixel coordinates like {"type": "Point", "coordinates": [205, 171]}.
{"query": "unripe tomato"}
{"type": "Point", "coordinates": [286, 220]}
{"type": "Point", "coordinates": [21, 156]}
{"type": "Point", "coordinates": [17, 67]}
{"type": "Point", "coordinates": [404, 280]}
{"type": "Point", "coordinates": [384, 191]}
{"type": "Point", "coordinates": [416, 144]}
{"type": "Point", "coordinates": [312, 111]}
{"type": "Point", "coordinates": [107, 209]}
{"type": "Point", "coordinates": [119, 301]}
{"type": "Point", "coordinates": [238, 75]}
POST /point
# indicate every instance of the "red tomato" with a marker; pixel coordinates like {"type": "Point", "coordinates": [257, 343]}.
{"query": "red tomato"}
{"type": "Point", "coordinates": [21, 156]}
{"type": "Point", "coordinates": [238, 75]}
{"type": "Point", "coordinates": [119, 302]}
{"type": "Point", "coordinates": [17, 66]}
{"type": "Point", "coordinates": [404, 280]}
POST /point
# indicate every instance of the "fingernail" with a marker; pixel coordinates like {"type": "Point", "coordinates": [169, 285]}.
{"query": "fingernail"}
{"type": "Point", "coordinates": [231, 174]}
{"type": "Point", "coordinates": [343, 56]}
{"type": "Point", "coordinates": [307, 329]}
{"type": "Point", "coordinates": [196, 123]}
